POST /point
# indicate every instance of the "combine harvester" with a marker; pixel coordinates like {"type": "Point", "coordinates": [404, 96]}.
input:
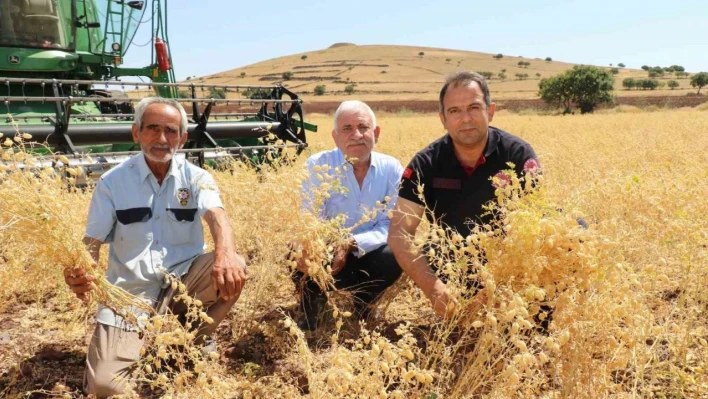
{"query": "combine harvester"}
{"type": "Point", "coordinates": [61, 81]}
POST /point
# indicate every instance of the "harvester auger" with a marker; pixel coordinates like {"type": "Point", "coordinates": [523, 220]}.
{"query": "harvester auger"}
{"type": "Point", "coordinates": [59, 82]}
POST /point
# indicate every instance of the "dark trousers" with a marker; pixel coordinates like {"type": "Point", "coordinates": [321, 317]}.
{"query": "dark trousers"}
{"type": "Point", "coordinates": [366, 277]}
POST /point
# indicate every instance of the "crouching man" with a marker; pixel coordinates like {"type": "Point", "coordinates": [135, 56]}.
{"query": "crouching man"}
{"type": "Point", "coordinates": [148, 209]}
{"type": "Point", "coordinates": [365, 264]}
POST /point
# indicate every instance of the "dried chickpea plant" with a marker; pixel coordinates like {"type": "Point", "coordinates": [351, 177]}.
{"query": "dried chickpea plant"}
{"type": "Point", "coordinates": [619, 309]}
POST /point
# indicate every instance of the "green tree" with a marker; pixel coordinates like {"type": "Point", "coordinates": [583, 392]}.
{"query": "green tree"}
{"type": "Point", "coordinates": [681, 74]}
{"type": "Point", "coordinates": [304, 57]}
{"type": "Point", "coordinates": [421, 54]}
{"type": "Point", "coordinates": [672, 84]}
{"type": "Point", "coordinates": [217, 92]}
{"type": "Point", "coordinates": [648, 84]}
{"type": "Point", "coordinates": [287, 75]}
{"type": "Point", "coordinates": [678, 68]}
{"type": "Point", "coordinates": [614, 71]}
{"type": "Point", "coordinates": [549, 59]}
{"type": "Point", "coordinates": [656, 72]}
{"type": "Point", "coordinates": [243, 74]}
{"type": "Point", "coordinates": [448, 60]}
{"type": "Point", "coordinates": [585, 86]}
{"type": "Point", "coordinates": [621, 65]}
{"type": "Point", "coordinates": [503, 71]}
{"type": "Point", "coordinates": [498, 56]}
{"type": "Point", "coordinates": [645, 67]}
{"type": "Point", "coordinates": [538, 75]}
{"type": "Point", "coordinates": [256, 94]}
{"type": "Point", "coordinates": [487, 75]}
{"type": "Point", "coordinates": [556, 90]}
{"type": "Point", "coordinates": [699, 80]}
{"type": "Point", "coordinates": [349, 89]}
{"type": "Point", "coordinates": [629, 83]}
{"type": "Point", "coordinates": [502, 76]}
{"type": "Point", "coordinates": [320, 90]}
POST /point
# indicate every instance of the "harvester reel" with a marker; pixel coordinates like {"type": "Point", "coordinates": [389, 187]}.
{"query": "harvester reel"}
{"type": "Point", "coordinates": [79, 119]}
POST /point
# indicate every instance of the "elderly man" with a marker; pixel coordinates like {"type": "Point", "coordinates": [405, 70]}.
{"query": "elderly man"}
{"type": "Point", "coordinates": [455, 172]}
{"type": "Point", "coordinates": [148, 208]}
{"type": "Point", "coordinates": [365, 264]}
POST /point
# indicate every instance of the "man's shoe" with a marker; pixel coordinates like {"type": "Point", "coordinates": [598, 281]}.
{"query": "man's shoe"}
{"type": "Point", "coordinates": [209, 347]}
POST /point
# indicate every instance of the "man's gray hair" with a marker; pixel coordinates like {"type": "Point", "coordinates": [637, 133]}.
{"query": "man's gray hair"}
{"type": "Point", "coordinates": [464, 79]}
{"type": "Point", "coordinates": [352, 106]}
{"type": "Point", "coordinates": [145, 102]}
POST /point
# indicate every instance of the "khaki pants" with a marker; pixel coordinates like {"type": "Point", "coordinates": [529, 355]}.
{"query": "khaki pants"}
{"type": "Point", "coordinates": [113, 351]}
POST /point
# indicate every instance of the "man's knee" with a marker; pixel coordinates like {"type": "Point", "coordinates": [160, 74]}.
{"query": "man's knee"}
{"type": "Point", "coordinates": [389, 267]}
{"type": "Point", "coordinates": [105, 379]}
{"type": "Point", "coordinates": [111, 354]}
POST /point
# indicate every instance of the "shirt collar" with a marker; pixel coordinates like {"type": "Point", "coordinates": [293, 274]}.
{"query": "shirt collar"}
{"type": "Point", "coordinates": [145, 171]}
{"type": "Point", "coordinates": [492, 141]}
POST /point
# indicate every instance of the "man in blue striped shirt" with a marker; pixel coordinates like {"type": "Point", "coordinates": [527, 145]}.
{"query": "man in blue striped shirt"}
{"type": "Point", "coordinates": [370, 181]}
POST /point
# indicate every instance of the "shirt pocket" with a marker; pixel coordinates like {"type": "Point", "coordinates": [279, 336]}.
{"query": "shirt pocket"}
{"type": "Point", "coordinates": [133, 233]}
{"type": "Point", "coordinates": [182, 226]}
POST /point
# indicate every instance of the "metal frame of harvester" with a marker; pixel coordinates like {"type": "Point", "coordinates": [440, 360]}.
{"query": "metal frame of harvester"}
{"type": "Point", "coordinates": [61, 90]}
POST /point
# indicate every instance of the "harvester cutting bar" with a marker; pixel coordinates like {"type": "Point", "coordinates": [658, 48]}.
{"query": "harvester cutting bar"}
{"type": "Point", "coordinates": [84, 134]}
{"type": "Point", "coordinates": [113, 158]}
{"type": "Point", "coordinates": [70, 99]}
{"type": "Point", "coordinates": [106, 83]}
{"type": "Point", "coordinates": [97, 164]}
{"type": "Point", "coordinates": [130, 116]}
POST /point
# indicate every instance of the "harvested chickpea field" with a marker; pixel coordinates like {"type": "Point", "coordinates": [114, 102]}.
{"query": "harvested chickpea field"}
{"type": "Point", "coordinates": [630, 293]}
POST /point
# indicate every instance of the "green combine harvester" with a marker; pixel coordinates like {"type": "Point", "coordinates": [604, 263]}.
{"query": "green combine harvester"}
{"type": "Point", "coordinates": [61, 81]}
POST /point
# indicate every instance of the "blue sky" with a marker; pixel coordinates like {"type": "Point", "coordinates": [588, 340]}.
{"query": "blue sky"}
{"type": "Point", "coordinates": [210, 36]}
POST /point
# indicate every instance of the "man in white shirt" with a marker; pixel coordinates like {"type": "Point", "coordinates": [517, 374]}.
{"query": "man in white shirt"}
{"type": "Point", "coordinates": [365, 264]}
{"type": "Point", "coordinates": [148, 209]}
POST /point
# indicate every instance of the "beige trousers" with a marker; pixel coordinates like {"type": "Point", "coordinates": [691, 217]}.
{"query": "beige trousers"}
{"type": "Point", "coordinates": [113, 351]}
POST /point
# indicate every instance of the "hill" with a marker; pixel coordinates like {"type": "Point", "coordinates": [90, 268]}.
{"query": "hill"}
{"type": "Point", "coordinates": [401, 73]}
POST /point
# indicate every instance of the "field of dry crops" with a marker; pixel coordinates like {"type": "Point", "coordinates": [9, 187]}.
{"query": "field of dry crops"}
{"type": "Point", "coordinates": [630, 297]}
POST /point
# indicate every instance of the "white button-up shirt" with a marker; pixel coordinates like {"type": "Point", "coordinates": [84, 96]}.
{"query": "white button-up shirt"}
{"type": "Point", "coordinates": [382, 180]}
{"type": "Point", "coordinates": [151, 228]}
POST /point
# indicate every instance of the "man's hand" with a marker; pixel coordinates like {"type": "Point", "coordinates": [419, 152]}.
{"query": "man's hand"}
{"type": "Point", "coordinates": [79, 283]}
{"type": "Point", "coordinates": [228, 275]}
{"type": "Point", "coordinates": [340, 256]}
{"type": "Point", "coordinates": [443, 303]}
{"type": "Point", "coordinates": [478, 302]}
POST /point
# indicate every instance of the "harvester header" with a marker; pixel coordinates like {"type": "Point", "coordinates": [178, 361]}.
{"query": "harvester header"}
{"type": "Point", "coordinates": [62, 81]}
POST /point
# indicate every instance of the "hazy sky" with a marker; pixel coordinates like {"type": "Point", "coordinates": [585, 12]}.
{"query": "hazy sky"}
{"type": "Point", "coordinates": [210, 36]}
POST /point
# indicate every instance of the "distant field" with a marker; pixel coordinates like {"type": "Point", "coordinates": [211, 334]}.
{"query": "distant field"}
{"type": "Point", "coordinates": [399, 73]}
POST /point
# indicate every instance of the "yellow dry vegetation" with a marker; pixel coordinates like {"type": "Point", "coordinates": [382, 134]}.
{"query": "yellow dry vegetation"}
{"type": "Point", "coordinates": [385, 72]}
{"type": "Point", "coordinates": [631, 307]}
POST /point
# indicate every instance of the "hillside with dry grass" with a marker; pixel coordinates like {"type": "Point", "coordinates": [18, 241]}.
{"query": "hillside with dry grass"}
{"type": "Point", "coordinates": [401, 73]}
